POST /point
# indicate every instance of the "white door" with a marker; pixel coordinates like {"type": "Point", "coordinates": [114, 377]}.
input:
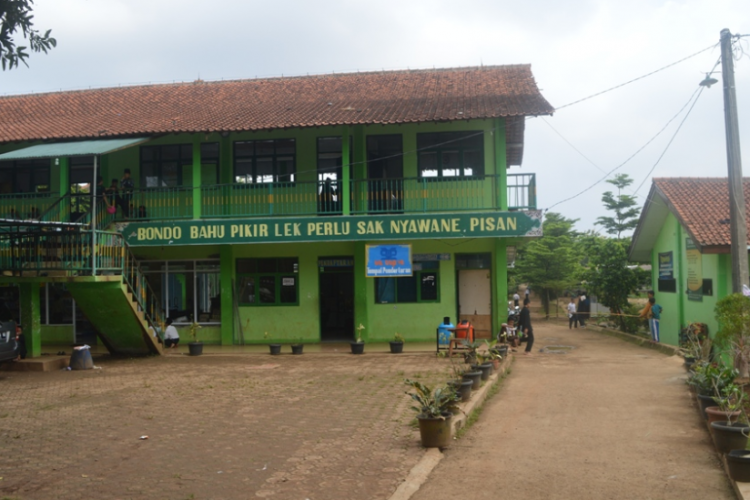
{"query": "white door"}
{"type": "Point", "coordinates": [475, 300]}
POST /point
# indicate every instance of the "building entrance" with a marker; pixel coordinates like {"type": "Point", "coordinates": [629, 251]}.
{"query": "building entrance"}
{"type": "Point", "coordinates": [474, 292]}
{"type": "Point", "coordinates": [336, 292]}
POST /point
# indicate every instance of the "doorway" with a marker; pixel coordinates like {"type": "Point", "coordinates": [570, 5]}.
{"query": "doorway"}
{"type": "Point", "coordinates": [336, 294]}
{"type": "Point", "coordinates": [475, 292]}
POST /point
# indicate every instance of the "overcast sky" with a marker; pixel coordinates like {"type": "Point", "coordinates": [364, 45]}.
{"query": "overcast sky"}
{"type": "Point", "coordinates": [576, 48]}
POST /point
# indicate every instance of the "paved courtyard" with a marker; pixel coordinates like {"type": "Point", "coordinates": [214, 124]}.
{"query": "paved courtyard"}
{"type": "Point", "coordinates": [221, 426]}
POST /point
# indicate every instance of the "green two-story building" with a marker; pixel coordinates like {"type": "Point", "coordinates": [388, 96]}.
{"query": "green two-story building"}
{"type": "Point", "coordinates": [256, 208]}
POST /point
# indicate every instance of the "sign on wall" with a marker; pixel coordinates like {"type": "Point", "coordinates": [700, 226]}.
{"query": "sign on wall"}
{"type": "Point", "coordinates": [344, 228]}
{"type": "Point", "coordinates": [388, 260]}
{"type": "Point", "coordinates": [666, 266]}
{"type": "Point", "coordinates": [694, 271]}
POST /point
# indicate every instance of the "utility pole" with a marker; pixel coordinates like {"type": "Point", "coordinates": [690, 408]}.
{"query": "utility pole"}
{"type": "Point", "coordinates": [734, 164]}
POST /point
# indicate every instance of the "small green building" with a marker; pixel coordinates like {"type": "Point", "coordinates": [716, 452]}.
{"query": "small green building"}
{"type": "Point", "coordinates": [684, 234]}
{"type": "Point", "coordinates": [258, 207]}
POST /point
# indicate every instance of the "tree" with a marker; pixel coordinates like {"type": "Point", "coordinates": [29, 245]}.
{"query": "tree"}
{"type": "Point", "coordinates": [624, 206]}
{"type": "Point", "coordinates": [611, 279]}
{"type": "Point", "coordinates": [550, 264]}
{"type": "Point", "coordinates": [15, 15]}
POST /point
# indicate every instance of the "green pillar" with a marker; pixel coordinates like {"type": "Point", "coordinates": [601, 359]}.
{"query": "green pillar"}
{"type": "Point", "coordinates": [196, 177]}
{"type": "Point", "coordinates": [360, 290]}
{"type": "Point", "coordinates": [723, 278]}
{"type": "Point", "coordinates": [360, 168]}
{"type": "Point", "coordinates": [345, 173]}
{"type": "Point", "coordinates": [30, 318]}
{"type": "Point", "coordinates": [501, 165]}
{"type": "Point", "coordinates": [499, 285]}
{"type": "Point", "coordinates": [225, 161]}
{"type": "Point", "coordinates": [64, 169]}
{"type": "Point", "coordinates": [680, 277]}
{"type": "Point", "coordinates": [226, 266]}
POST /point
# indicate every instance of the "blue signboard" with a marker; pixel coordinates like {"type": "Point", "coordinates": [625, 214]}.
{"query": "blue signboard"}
{"type": "Point", "coordinates": [388, 261]}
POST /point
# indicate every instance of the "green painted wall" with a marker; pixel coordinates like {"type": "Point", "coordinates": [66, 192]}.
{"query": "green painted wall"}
{"type": "Point", "coordinates": [678, 310]}
{"type": "Point", "coordinates": [57, 335]}
{"type": "Point", "coordinates": [106, 307]}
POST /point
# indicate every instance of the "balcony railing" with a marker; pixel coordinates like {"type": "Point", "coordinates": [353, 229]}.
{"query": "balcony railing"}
{"type": "Point", "coordinates": [406, 195]}
{"type": "Point", "coordinates": [26, 206]}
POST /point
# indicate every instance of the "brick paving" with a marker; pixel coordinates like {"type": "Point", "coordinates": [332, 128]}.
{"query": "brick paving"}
{"type": "Point", "coordinates": [316, 426]}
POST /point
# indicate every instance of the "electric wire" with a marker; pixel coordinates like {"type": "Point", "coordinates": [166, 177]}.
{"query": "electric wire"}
{"type": "Point", "coordinates": [638, 78]}
{"type": "Point", "coordinates": [692, 96]}
{"type": "Point", "coordinates": [572, 146]}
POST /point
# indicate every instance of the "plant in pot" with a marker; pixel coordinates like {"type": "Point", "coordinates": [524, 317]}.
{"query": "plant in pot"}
{"type": "Point", "coordinates": [733, 314]}
{"type": "Point", "coordinates": [730, 404]}
{"type": "Point", "coordinates": [195, 347]}
{"type": "Point", "coordinates": [709, 380]}
{"type": "Point", "coordinates": [297, 346]}
{"type": "Point", "coordinates": [695, 346]}
{"type": "Point", "coordinates": [434, 413]}
{"type": "Point", "coordinates": [275, 349]}
{"type": "Point", "coordinates": [479, 358]}
{"type": "Point", "coordinates": [493, 354]}
{"type": "Point", "coordinates": [461, 385]}
{"type": "Point", "coordinates": [358, 346]}
{"type": "Point", "coordinates": [397, 344]}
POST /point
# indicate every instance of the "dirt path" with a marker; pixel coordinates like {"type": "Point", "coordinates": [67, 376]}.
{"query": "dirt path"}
{"type": "Point", "coordinates": [608, 420]}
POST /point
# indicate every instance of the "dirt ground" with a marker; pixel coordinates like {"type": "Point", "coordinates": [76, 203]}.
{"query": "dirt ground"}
{"type": "Point", "coordinates": [607, 420]}
{"type": "Point", "coordinates": [316, 426]}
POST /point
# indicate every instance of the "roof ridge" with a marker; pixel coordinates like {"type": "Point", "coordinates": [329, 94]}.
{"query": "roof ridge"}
{"type": "Point", "coordinates": [199, 81]}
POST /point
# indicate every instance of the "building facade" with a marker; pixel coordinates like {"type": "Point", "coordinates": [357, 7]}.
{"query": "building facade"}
{"type": "Point", "coordinates": [684, 234]}
{"type": "Point", "coordinates": [256, 208]}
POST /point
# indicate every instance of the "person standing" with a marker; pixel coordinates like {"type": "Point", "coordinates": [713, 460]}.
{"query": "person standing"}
{"type": "Point", "coordinates": [584, 310]}
{"type": "Point", "coordinates": [572, 316]}
{"type": "Point", "coordinates": [126, 193]}
{"type": "Point", "coordinates": [653, 322]}
{"type": "Point", "coordinates": [516, 299]}
{"type": "Point", "coordinates": [525, 326]}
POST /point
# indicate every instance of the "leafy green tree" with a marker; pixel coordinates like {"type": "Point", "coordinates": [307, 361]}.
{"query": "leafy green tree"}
{"type": "Point", "coordinates": [15, 16]}
{"type": "Point", "coordinates": [611, 279]}
{"type": "Point", "coordinates": [624, 206]}
{"type": "Point", "coordinates": [550, 264]}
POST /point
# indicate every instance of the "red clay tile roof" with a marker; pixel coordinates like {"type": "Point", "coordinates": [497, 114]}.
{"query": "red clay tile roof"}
{"type": "Point", "coordinates": [701, 204]}
{"type": "Point", "coordinates": [387, 97]}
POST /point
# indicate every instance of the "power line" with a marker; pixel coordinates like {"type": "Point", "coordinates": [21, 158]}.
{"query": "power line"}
{"type": "Point", "coordinates": [636, 79]}
{"type": "Point", "coordinates": [633, 155]}
{"type": "Point", "coordinates": [571, 145]}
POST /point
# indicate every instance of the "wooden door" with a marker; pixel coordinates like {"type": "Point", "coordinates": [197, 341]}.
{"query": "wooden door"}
{"type": "Point", "coordinates": [475, 300]}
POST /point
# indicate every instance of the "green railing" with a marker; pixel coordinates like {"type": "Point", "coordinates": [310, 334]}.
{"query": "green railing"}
{"type": "Point", "coordinates": [148, 300]}
{"type": "Point", "coordinates": [267, 199]}
{"type": "Point", "coordinates": [154, 203]}
{"type": "Point", "coordinates": [26, 206]}
{"type": "Point", "coordinates": [522, 191]}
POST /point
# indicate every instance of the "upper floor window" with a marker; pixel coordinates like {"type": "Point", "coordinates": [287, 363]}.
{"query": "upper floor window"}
{"type": "Point", "coordinates": [24, 176]}
{"type": "Point", "coordinates": [168, 165]}
{"type": "Point", "coordinates": [258, 162]}
{"type": "Point", "coordinates": [451, 154]}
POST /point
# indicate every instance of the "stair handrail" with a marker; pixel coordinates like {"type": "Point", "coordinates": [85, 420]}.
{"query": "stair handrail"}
{"type": "Point", "coordinates": [55, 206]}
{"type": "Point", "coordinates": [145, 296]}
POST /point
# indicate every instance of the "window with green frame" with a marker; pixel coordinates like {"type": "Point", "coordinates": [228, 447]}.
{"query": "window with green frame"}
{"type": "Point", "coordinates": [259, 162]}
{"type": "Point", "coordinates": [163, 166]}
{"type": "Point", "coordinates": [268, 282]}
{"type": "Point", "coordinates": [445, 155]}
{"type": "Point", "coordinates": [422, 286]}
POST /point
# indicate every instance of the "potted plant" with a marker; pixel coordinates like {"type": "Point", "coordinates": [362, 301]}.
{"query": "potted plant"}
{"type": "Point", "coordinates": [297, 347]}
{"type": "Point", "coordinates": [709, 380]}
{"type": "Point", "coordinates": [358, 346]}
{"type": "Point", "coordinates": [195, 347]}
{"type": "Point", "coordinates": [434, 415]}
{"type": "Point", "coordinates": [492, 354]}
{"type": "Point", "coordinates": [730, 405]}
{"type": "Point", "coordinates": [461, 385]}
{"type": "Point", "coordinates": [738, 462]}
{"type": "Point", "coordinates": [275, 349]}
{"type": "Point", "coordinates": [397, 344]}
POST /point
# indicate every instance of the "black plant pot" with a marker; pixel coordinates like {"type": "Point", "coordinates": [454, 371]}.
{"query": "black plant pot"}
{"type": "Point", "coordinates": [397, 347]}
{"type": "Point", "coordinates": [463, 388]}
{"type": "Point", "coordinates": [195, 348]}
{"type": "Point", "coordinates": [297, 348]}
{"type": "Point", "coordinates": [502, 350]}
{"type": "Point", "coordinates": [275, 349]}
{"type": "Point", "coordinates": [739, 465]}
{"type": "Point", "coordinates": [435, 432]}
{"type": "Point", "coordinates": [357, 347]}
{"type": "Point", "coordinates": [475, 377]}
{"type": "Point", "coordinates": [486, 370]}
{"type": "Point", "coordinates": [728, 437]}
{"type": "Point", "coordinates": [705, 402]}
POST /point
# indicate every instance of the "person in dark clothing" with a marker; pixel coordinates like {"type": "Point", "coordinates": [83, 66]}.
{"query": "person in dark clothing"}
{"type": "Point", "coordinates": [584, 309]}
{"type": "Point", "coordinates": [126, 193]}
{"type": "Point", "coordinates": [525, 326]}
